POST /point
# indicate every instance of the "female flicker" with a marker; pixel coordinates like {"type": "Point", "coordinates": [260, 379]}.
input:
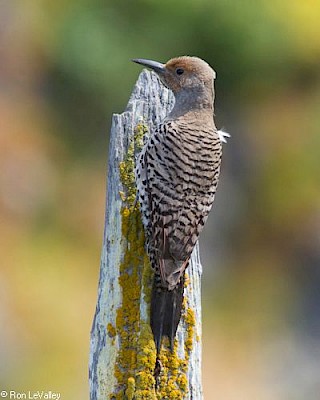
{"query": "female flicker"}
{"type": "Point", "coordinates": [177, 175]}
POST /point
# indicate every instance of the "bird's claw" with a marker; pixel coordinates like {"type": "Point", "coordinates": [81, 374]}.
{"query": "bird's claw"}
{"type": "Point", "coordinates": [157, 372]}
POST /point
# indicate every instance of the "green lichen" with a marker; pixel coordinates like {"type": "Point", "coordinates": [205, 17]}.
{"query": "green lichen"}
{"type": "Point", "coordinates": [136, 356]}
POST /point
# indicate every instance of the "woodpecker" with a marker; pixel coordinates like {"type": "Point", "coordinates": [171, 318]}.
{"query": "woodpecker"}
{"type": "Point", "coordinates": [177, 174]}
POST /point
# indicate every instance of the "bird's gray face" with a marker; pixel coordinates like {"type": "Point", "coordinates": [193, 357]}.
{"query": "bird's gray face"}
{"type": "Point", "coordinates": [182, 73]}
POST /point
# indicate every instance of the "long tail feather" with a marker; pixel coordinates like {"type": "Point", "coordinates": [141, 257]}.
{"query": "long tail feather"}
{"type": "Point", "coordinates": [166, 306]}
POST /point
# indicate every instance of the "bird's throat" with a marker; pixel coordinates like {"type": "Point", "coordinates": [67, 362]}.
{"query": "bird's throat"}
{"type": "Point", "coordinates": [193, 100]}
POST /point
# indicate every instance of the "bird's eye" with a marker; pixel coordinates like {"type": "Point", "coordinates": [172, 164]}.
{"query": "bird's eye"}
{"type": "Point", "coordinates": [179, 71]}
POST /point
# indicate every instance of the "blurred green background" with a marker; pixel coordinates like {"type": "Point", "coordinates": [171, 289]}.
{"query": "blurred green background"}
{"type": "Point", "coordinates": [64, 69]}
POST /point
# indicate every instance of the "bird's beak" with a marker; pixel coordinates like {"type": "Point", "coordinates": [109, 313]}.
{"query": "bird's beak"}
{"type": "Point", "coordinates": [154, 65]}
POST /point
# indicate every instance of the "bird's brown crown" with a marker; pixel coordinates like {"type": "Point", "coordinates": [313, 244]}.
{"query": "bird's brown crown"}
{"type": "Point", "coordinates": [187, 71]}
{"type": "Point", "coordinates": [192, 65]}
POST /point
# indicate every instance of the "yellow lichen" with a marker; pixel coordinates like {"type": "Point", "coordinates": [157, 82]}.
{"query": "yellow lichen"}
{"type": "Point", "coordinates": [190, 320]}
{"type": "Point", "coordinates": [173, 380]}
{"type": "Point", "coordinates": [139, 133]}
{"type": "Point", "coordinates": [186, 280]}
{"type": "Point", "coordinates": [136, 356]}
{"type": "Point", "coordinates": [122, 195]}
{"type": "Point", "coordinates": [131, 387]}
{"type": "Point", "coordinates": [111, 330]}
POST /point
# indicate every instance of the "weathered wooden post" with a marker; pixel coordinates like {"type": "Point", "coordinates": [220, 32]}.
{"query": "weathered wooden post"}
{"type": "Point", "coordinates": [122, 354]}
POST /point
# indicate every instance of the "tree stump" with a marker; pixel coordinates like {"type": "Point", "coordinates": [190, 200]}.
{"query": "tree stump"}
{"type": "Point", "coordinates": [122, 353]}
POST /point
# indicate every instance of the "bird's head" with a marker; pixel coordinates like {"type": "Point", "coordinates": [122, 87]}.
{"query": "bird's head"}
{"type": "Point", "coordinates": [182, 73]}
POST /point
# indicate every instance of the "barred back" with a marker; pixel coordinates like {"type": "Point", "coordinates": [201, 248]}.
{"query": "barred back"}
{"type": "Point", "coordinates": [177, 175]}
